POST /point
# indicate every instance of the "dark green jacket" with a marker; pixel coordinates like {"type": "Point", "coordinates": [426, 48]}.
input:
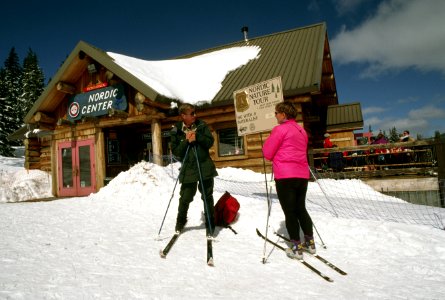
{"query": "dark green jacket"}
{"type": "Point", "coordinates": [204, 141]}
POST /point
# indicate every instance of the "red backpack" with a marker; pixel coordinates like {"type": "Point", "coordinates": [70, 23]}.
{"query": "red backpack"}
{"type": "Point", "coordinates": [226, 210]}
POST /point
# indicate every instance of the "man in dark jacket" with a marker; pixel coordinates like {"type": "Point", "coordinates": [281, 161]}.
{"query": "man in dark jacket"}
{"type": "Point", "coordinates": [191, 138]}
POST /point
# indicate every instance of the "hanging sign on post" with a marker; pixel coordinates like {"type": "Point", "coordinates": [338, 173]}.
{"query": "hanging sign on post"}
{"type": "Point", "coordinates": [255, 106]}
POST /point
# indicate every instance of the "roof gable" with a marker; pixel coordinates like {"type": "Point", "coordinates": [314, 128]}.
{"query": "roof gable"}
{"type": "Point", "coordinates": [71, 70]}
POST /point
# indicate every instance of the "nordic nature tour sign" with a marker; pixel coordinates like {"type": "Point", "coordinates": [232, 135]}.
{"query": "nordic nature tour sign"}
{"type": "Point", "coordinates": [255, 106]}
{"type": "Point", "coordinates": [97, 102]}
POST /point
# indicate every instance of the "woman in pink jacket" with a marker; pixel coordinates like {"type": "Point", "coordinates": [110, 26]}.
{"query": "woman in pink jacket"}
{"type": "Point", "coordinates": [286, 147]}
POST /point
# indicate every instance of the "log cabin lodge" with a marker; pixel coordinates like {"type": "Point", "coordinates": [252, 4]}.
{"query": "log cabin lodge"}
{"type": "Point", "coordinates": [96, 118]}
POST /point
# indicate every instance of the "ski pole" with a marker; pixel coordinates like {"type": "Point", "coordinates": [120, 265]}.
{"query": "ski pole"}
{"type": "Point", "coordinates": [269, 202]}
{"type": "Point", "coordinates": [206, 208]}
{"type": "Point", "coordinates": [315, 178]}
{"type": "Point", "coordinates": [322, 243]}
{"type": "Point", "coordinates": [324, 193]}
{"type": "Point", "coordinates": [173, 192]}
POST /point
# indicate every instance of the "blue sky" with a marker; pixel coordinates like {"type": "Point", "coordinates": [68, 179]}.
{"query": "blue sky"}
{"type": "Point", "coordinates": [388, 54]}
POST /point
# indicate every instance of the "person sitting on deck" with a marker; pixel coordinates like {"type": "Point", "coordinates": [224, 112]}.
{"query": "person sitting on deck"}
{"type": "Point", "coordinates": [336, 160]}
{"type": "Point", "coordinates": [407, 157]}
{"type": "Point", "coordinates": [327, 141]}
{"type": "Point", "coordinates": [406, 137]}
{"type": "Point", "coordinates": [381, 139]}
{"type": "Point", "coordinates": [326, 144]}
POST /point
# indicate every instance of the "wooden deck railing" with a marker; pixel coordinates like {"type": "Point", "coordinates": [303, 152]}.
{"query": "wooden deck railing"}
{"type": "Point", "coordinates": [407, 158]}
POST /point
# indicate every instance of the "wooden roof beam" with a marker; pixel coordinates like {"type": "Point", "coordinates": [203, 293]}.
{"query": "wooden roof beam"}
{"type": "Point", "coordinates": [40, 117]}
{"type": "Point", "coordinates": [117, 113]}
{"type": "Point", "coordinates": [66, 88]}
{"type": "Point", "coordinates": [62, 122]}
{"type": "Point", "coordinates": [301, 99]}
{"type": "Point", "coordinates": [139, 98]}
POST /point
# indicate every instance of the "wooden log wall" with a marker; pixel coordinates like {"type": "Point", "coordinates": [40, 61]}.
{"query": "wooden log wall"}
{"type": "Point", "coordinates": [37, 154]}
{"type": "Point", "coordinates": [83, 132]}
{"type": "Point", "coordinates": [45, 155]}
{"type": "Point", "coordinates": [32, 153]}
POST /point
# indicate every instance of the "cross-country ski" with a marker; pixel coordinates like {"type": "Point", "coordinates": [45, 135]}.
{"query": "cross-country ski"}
{"type": "Point", "coordinates": [170, 244]}
{"type": "Point", "coordinates": [317, 256]}
{"type": "Point", "coordinates": [312, 268]}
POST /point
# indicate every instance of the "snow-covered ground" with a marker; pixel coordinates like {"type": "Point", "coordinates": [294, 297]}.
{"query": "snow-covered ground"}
{"type": "Point", "coordinates": [106, 246]}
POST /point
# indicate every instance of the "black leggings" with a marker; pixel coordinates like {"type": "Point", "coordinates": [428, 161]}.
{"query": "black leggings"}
{"type": "Point", "coordinates": [292, 195]}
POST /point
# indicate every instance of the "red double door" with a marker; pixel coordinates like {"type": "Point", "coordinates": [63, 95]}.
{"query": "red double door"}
{"type": "Point", "coordinates": [76, 168]}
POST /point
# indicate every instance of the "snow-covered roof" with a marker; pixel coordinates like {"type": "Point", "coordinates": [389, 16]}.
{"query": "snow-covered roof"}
{"type": "Point", "coordinates": [193, 80]}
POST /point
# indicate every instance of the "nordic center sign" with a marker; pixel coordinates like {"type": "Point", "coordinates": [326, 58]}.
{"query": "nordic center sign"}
{"type": "Point", "coordinates": [97, 102]}
{"type": "Point", "coordinates": [255, 106]}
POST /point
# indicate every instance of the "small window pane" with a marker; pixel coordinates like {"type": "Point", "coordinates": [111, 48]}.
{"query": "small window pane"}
{"type": "Point", "coordinates": [85, 166]}
{"type": "Point", "coordinates": [67, 168]}
{"type": "Point", "coordinates": [230, 143]}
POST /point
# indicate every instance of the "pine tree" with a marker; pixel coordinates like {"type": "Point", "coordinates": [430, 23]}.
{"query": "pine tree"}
{"type": "Point", "coordinates": [13, 82]}
{"type": "Point", "coordinates": [11, 91]}
{"type": "Point", "coordinates": [394, 135]}
{"type": "Point", "coordinates": [437, 136]}
{"type": "Point", "coordinates": [5, 117]}
{"type": "Point", "coordinates": [32, 82]}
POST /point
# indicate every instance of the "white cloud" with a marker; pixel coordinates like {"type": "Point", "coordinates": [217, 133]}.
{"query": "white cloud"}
{"type": "Point", "coordinates": [407, 100]}
{"type": "Point", "coordinates": [344, 7]}
{"type": "Point", "coordinates": [430, 112]}
{"type": "Point", "coordinates": [373, 110]}
{"type": "Point", "coordinates": [413, 125]}
{"type": "Point", "coordinates": [402, 34]}
{"type": "Point", "coordinates": [313, 6]}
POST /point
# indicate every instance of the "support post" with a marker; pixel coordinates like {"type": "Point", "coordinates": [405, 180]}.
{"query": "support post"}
{"type": "Point", "coordinates": [156, 139]}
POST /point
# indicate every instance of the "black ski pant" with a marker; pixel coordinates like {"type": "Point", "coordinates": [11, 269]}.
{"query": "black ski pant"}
{"type": "Point", "coordinates": [292, 195]}
{"type": "Point", "coordinates": [187, 193]}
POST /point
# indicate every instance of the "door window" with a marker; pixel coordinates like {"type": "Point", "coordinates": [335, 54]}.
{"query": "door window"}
{"type": "Point", "coordinates": [67, 167]}
{"type": "Point", "coordinates": [85, 166]}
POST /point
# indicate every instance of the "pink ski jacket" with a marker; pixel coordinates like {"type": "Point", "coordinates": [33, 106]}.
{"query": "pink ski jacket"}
{"type": "Point", "coordinates": [286, 147]}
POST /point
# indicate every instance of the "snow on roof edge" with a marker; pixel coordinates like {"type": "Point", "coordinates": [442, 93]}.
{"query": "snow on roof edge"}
{"type": "Point", "coordinates": [194, 80]}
